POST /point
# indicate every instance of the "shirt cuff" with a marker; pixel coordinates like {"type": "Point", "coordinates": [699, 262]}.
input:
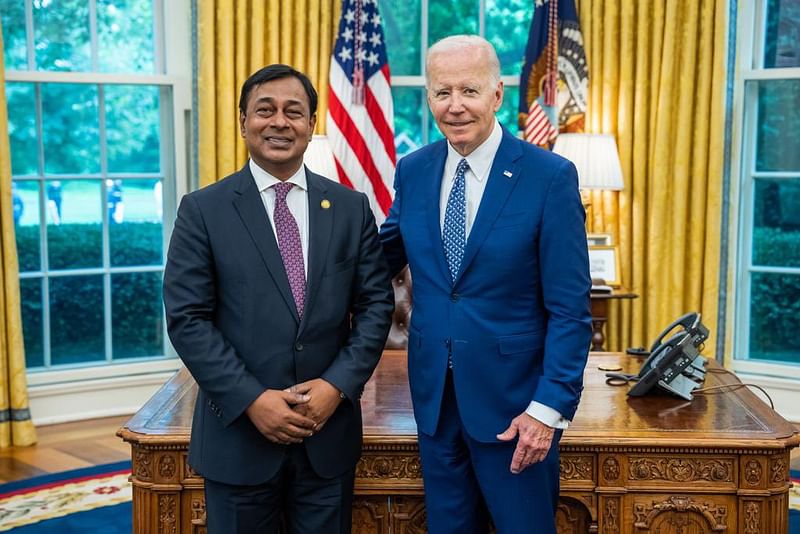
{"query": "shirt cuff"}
{"type": "Point", "coordinates": [547, 415]}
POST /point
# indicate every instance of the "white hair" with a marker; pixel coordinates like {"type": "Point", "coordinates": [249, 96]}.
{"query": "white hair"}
{"type": "Point", "coordinates": [457, 43]}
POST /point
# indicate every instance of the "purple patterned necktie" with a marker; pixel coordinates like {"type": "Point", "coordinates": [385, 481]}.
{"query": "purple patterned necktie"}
{"type": "Point", "coordinates": [290, 245]}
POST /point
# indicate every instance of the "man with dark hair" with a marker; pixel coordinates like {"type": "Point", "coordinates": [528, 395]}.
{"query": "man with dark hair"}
{"type": "Point", "coordinates": [278, 301]}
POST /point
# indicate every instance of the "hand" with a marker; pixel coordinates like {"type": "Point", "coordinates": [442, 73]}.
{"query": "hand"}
{"type": "Point", "coordinates": [273, 416]}
{"type": "Point", "coordinates": [534, 442]}
{"type": "Point", "coordinates": [323, 400]}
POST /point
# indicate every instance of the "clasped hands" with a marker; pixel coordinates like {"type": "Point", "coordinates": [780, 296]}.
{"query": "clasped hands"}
{"type": "Point", "coordinates": [293, 414]}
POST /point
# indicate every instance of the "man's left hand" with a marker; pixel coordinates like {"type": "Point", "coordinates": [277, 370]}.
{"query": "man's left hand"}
{"type": "Point", "coordinates": [325, 399]}
{"type": "Point", "coordinates": [534, 442]}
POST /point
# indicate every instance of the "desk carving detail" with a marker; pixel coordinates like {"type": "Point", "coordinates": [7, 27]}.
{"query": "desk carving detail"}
{"type": "Point", "coordinates": [681, 469]}
{"type": "Point", "coordinates": [651, 517]}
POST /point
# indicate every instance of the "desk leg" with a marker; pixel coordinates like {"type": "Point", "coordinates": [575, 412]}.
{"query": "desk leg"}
{"type": "Point", "coordinates": [599, 319]}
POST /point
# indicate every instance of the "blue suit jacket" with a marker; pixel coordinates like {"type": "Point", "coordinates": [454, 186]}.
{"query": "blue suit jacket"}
{"type": "Point", "coordinates": [232, 319]}
{"type": "Point", "coordinates": [517, 318]}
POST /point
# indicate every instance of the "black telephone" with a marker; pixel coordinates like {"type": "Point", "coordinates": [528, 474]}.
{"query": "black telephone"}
{"type": "Point", "coordinates": [674, 365]}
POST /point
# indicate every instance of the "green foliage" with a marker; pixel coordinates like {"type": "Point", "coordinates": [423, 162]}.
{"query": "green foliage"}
{"type": "Point", "coordinates": [136, 315]}
{"type": "Point", "coordinates": [778, 125]}
{"type": "Point", "coordinates": [775, 297]}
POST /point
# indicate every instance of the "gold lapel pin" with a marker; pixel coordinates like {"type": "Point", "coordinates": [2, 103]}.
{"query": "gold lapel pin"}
{"type": "Point", "coordinates": [325, 203]}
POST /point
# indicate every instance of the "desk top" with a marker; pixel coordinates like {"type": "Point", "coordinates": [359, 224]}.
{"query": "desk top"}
{"type": "Point", "coordinates": [733, 419]}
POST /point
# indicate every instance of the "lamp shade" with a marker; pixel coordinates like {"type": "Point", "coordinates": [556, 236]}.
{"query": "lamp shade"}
{"type": "Point", "coordinates": [596, 158]}
{"type": "Point", "coordinates": [319, 157]}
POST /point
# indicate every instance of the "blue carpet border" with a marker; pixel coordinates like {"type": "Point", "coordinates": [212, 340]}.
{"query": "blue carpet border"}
{"type": "Point", "coordinates": [63, 476]}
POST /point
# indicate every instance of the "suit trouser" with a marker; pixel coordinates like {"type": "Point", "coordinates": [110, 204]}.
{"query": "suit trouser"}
{"type": "Point", "coordinates": [465, 478]}
{"type": "Point", "coordinates": [295, 497]}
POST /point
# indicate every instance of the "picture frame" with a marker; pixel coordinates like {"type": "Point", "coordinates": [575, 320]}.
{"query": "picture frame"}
{"type": "Point", "coordinates": [599, 240]}
{"type": "Point", "coordinates": [604, 264]}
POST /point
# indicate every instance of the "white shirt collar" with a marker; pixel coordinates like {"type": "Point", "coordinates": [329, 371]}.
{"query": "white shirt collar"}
{"type": "Point", "coordinates": [480, 160]}
{"type": "Point", "coordinates": [265, 180]}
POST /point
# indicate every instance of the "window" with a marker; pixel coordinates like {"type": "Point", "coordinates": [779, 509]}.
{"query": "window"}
{"type": "Point", "coordinates": [411, 26]}
{"type": "Point", "coordinates": [768, 271]}
{"type": "Point", "coordinates": [92, 131]}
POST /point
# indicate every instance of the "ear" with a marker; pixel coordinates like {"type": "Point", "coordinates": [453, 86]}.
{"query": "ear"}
{"type": "Point", "coordinates": [498, 94]}
{"type": "Point", "coordinates": [242, 130]}
{"type": "Point", "coordinates": [313, 123]}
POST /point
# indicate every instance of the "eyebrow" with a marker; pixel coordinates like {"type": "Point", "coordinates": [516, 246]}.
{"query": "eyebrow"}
{"type": "Point", "coordinates": [271, 100]}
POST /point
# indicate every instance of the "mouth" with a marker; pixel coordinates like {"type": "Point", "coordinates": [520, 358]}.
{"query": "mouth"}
{"type": "Point", "coordinates": [278, 141]}
{"type": "Point", "coordinates": [458, 124]}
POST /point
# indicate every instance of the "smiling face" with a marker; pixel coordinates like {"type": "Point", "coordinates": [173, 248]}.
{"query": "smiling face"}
{"type": "Point", "coordinates": [463, 96]}
{"type": "Point", "coordinates": [277, 126]}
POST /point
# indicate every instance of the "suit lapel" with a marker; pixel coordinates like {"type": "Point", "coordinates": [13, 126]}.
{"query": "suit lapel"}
{"type": "Point", "coordinates": [320, 222]}
{"type": "Point", "coordinates": [433, 171]}
{"type": "Point", "coordinates": [250, 207]}
{"type": "Point", "coordinates": [498, 187]}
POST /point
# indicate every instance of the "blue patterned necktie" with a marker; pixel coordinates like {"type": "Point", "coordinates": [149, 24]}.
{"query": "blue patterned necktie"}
{"type": "Point", "coordinates": [454, 233]}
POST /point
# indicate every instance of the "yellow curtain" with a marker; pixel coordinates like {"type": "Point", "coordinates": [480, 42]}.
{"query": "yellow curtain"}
{"type": "Point", "coordinates": [657, 81]}
{"type": "Point", "coordinates": [16, 427]}
{"type": "Point", "coordinates": [236, 38]}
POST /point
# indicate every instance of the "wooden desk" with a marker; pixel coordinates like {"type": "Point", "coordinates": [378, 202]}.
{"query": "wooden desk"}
{"type": "Point", "coordinates": [600, 313]}
{"type": "Point", "coordinates": [628, 465]}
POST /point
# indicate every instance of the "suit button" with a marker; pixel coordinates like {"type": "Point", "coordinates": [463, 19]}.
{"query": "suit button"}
{"type": "Point", "coordinates": [454, 297]}
{"type": "Point", "coordinates": [298, 346]}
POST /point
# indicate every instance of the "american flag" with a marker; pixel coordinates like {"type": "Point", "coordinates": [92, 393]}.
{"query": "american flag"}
{"type": "Point", "coordinates": [360, 111]}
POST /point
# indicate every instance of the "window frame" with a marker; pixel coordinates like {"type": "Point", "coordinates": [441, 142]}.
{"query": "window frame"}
{"type": "Point", "coordinates": [173, 68]}
{"type": "Point", "coordinates": [749, 73]}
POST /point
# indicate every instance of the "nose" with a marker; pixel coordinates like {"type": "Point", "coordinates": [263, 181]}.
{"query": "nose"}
{"type": "Point", "coordinates": [456, 104]}
{"type": "Point", "coordinates": [279, 120]}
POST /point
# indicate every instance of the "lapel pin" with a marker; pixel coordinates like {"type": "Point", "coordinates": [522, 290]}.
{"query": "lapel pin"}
{"type": "Point", "coordinates": [325, 203]}
{"type": "Point", "coordinates": [507, 174]}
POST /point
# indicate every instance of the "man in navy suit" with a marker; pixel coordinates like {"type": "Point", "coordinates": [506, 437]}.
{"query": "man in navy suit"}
{"type": "Point", "coordinates": [278, 301]}
{"type": "Point", "coordinates": [492, 229]}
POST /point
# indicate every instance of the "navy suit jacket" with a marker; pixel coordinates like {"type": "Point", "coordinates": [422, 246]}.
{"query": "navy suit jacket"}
{"type": "Point", "coordinates": [517, 319]}
{"type": "Point", "coordinates": [232, 319]}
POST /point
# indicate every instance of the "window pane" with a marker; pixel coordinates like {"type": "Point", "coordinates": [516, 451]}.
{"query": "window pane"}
{"type": "Point", "coordinates": [778, 125]}
{"type": "Point", "coordinates": [125, 35]}
{"type": "Point", "coordinates": [12, 19]}
{"type": "Point", "coordinates": [25, 198]}
{"type": "Point", "coordinates": [76, 319]}
{"type": "Point", "coordinates": [409, 105]}
{"type": "Point", "coordinates": [21, 98]}
{"type": "Point", "coordinates": [132, 128]}
{"type": "Point", "coordinates": [776, 223]}
{"type": "Point", "coordinates": [71, 128]}
{"type": "Point", "coordinates": [775, 317]}
{"type": "Point", "coordinates": [74, 223]}
{"type": "Point", "coordinates": [507, 25]}
{"type": "Point", "coordinates": [61, 34]}
{"type": "Point", "coordinates": [451, 17]}
{"type": "Point", "coordinates": [782, 39]}
{"type": "Point", "coordinates": [507, 114]}
{"type": "Point", "coordinates": [401, 28]}
{"type": "Point", "coordinates": [30, 290]}
{"type": "Point", "coordinates": [137, 319]}
{"type": "Point", "coordinates": [135, 215]}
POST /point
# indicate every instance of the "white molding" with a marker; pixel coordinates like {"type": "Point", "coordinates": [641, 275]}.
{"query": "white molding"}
{"type": "Point", "coordinates": [89, 399]}
{"type": "Point", "coordinates": [784, 393]}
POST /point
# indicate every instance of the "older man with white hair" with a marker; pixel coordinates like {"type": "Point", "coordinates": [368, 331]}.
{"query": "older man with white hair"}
{"type": "Point", "coordinates": [493, 231]}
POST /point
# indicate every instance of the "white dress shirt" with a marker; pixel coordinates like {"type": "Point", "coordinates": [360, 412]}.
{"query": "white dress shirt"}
{"type": "Point", "coordinates": [296, 200]}
{"type": "Point", "coordinates": [480, 164]}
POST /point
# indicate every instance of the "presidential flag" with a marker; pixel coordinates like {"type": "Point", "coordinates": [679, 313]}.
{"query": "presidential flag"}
{"type": "Point", "coordinates": [555, 78]}
{"type": "Point", "coordinates": [360, 114]}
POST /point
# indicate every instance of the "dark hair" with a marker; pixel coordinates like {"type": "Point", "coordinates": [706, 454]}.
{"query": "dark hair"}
{"type": "Point", "coordinates": [276, 72]}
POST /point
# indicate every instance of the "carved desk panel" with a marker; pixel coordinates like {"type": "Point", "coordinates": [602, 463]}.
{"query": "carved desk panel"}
{"type": "Point", "coordinates": [718, 464]}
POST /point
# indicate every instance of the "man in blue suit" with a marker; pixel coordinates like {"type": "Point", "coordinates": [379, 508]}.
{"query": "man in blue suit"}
{"type": "Point", "coordinates": [278, 301]}
{"type": "Point", "coordinates": [492, 229]}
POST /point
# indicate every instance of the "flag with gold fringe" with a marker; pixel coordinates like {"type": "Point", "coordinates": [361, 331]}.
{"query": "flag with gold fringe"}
{"type": "Point", "coordinates": [555, 77]}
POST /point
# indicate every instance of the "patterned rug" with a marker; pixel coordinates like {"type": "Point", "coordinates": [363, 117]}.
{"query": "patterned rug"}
{"type": "Point", "coordinates": [794, 503]}
{"type": "Point", "coordinates": [94, 499]}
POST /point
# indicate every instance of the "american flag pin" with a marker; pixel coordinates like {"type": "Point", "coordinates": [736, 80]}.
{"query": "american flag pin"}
{"type": "Point", "coordinates": [325, 204]}
{"type": "Point", "coordinates": [507, 174]}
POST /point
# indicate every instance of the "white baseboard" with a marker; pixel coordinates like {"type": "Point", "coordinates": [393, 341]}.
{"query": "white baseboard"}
{"type": "Point", "coordinates": [785, 393]}
{"type": "Point", "coordinates": [92, 398]}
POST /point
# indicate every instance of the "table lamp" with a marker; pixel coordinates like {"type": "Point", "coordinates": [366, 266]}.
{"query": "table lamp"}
{"type": "Point", "coordinates": [596, 158]}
